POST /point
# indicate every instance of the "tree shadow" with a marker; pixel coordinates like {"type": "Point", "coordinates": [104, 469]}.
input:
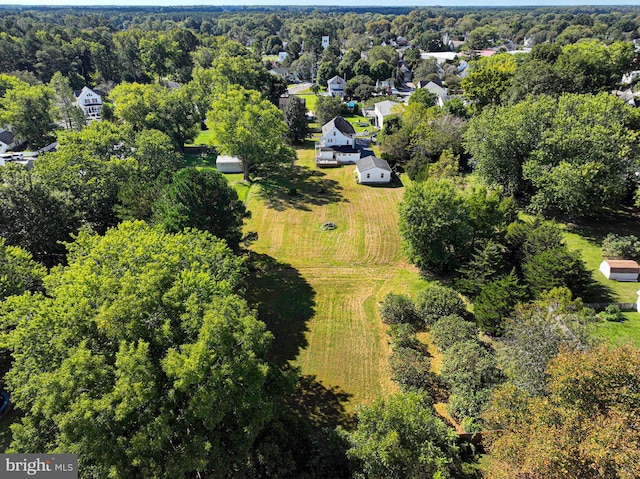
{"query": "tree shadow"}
{"type": "Point", "coordinates": [299, 188]}
{"type": "Point", "coordinates": [625, 221]}
{"type": "Point", "coordinates": [322, 406]}
{"type": "Point", "coordinates": [285, 303]}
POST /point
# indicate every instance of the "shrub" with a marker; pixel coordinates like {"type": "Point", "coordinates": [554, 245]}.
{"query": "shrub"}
{"type": "Point", "coordinates": [404, 336]}
{"type": "Point", "coordinates": [437, 301]}
{"type": "Point", "coordinates": [621, 247]}
{"type": "Point", "coordinates": [612, 313]}
{"type": "Point", "coordinates": [452, 329]}
{"type": "Point", "coordinates": [398, 309]}
{"type": "Point", "coordinates": [410, 369]}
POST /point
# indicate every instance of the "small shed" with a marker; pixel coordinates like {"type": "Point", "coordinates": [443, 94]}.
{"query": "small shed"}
{"type": "Point", "coordinates": [229, 164]}
{"type": "Point", "coordinates": [620, 269]}
{"type": "Point", "coordinates": [373, 170]}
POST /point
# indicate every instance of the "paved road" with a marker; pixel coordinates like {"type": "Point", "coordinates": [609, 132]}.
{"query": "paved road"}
{"type": "Point", "coordinates": [298, 88]}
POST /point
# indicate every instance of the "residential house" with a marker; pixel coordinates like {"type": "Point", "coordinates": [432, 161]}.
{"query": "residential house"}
{"type": "Point", "coordinates": [387, 87]}
{"type": "Point", "coordinates": [384, 109]}
{"type": "Point", "coordinates": [284, 73]}
{"type": "Point", "coordinates": [282, 56]}
{"type": "Point", "coordinates": [620, 270]}
{"type": "Point", "coordinates": [372, 170]}
{"type": "Point", "coordinates": [437, 88]}
{"type": "Point", "coordinates": [337, 145]}
{"type": "Point", "coordinates": [90, 102]}
{"type": "Point", "coordinates": [631, 77]}
{"type": "Point", "coordinates": [325, 41]}
{"type": "Point", "coordinates": [441, 57]}
{"type": "Point", "coordinates": [7, 142]}
{"type": "Point", "coordinates": [336, 86]}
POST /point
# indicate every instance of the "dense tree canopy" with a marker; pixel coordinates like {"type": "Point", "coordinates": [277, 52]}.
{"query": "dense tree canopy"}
{"type": "Point", "coordinates": [142, 345]}
{"type": "Point", "coordinates": [586, 427]}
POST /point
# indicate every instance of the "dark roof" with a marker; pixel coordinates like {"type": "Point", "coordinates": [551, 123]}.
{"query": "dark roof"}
{"type": "Point", "coordinates": [6, 137]}
{"type": "Point", "coordinates": [341, 124]}
{"type": "Point", "coordinates": [371, 162]}
{"type": "Point", "coordinates": [340, 149]}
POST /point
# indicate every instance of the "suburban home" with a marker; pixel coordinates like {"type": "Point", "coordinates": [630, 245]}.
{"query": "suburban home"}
{"type": "Point", "coordinates": [441, 57]}
{"type": "Point", "coordinates": [373, 170]}
{"type": "Point", "coordinates": [620, 269]}
{"type": "Point", "coordinates": [229, 164]}
{"type": "Point", "coordinates": [386, 108]}
{"type": "Point", "coordinates": [325, 41]}
{"type": "Point", "coordinates": [284, 73]}
{"type": "Point", "coordinates": [435, 86]}
{"type": "Point", "coordinates": [7, 142]}
{"type": "Point", "coordinates": [336, 86]}
{"type": "Point", "coordinates": [337, 145]}
{"type": "Point", "coordinates": [90, 102]}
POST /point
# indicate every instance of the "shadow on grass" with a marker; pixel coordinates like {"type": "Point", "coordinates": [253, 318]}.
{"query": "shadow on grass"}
{"type": "Point", "coordinates": [299, 188]}
{"type": "Point", "coordinates": [320, 405]}
{"type": "Point", "coordinates": [625, 221]}
{"type": "Point", "coordinates": [285, 303]}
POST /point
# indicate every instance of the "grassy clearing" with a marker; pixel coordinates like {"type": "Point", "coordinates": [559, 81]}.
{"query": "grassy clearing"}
{"type": "Point", "coordinates": [618, 333]}
{"type": "Point", "coordinates": [203, 138]}
{"type": "Point", "coordinates": [336, 277]}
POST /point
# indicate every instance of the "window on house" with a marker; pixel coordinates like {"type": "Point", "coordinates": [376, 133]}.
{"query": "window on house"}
{"type": "Point", "coordinates": [334, 133]}
{"type": "Point", "coordinates": [368, 175]}
{"type": "Point", "coordinates": [381, 175]}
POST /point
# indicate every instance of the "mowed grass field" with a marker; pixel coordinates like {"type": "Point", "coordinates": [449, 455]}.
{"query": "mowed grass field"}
{"type": "Point", "coordinates": [325, 318]}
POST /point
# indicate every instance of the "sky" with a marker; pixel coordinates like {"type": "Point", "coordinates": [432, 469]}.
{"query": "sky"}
{"type": "Point", "coordinates": [359, 3]}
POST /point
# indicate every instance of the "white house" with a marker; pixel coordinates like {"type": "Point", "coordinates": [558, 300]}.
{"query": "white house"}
{"type": "Point", "coordinates": [337, 145]}
{"type": "Point", "coordinates": [336, 86]}
{"type": "Point", "coordinates": [282, 56]}
{"type": "Point", "coordinates": [373, 170]}
{"type": "Point", "coordinates": [620, 269]}
{"type": "Point", "coordinates": [385, 108]}
{"type": "Point", "coordinates": [90, 102]}
{"type": "Point", "coordinates": [441, 57]}
{"type": "Point", "coordinates": [229, 164]}
{"type": "Point", "coordinates": [7, 142]}
{"type": "Point", "coordinates": [325, 41]}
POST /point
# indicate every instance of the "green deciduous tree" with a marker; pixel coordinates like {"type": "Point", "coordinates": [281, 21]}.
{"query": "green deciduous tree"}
{"type": "Point", "coordinates": [35, 215]}
{"type": "Point", "coordinates": [400, 437]}
{"type": "Point", "coordinates": [142, 346]}
{"type": "Point", "coordinates": [489, 80]}
{"type": "Point", "coordinates": [434, 225]}
{"type": "Point", "coordinates": [327, 108]}
{"type": "Point", "coordinates": [245, 125]}
{"type": "Point", "coordinates": [29, 111]}
{"type": "Point", "coordinates": [399, 309]}
{"type": "Point", "coordinates": [18, 271]}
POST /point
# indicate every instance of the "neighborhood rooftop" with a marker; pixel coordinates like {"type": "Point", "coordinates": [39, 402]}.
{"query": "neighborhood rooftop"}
{"type": "Point", "coordinates": [371, 162]}
{"type": "Point", "coordinates": [341, 124]}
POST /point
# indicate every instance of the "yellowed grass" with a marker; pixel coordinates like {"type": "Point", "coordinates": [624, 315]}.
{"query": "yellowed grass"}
{"type": "Point", "coordinates": [349, 270]}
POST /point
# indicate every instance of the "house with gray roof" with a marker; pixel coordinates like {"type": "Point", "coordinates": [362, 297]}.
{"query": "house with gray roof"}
{"type": "Point", "coordinates": [7, 142]}
{"type": "Point", "coordinates": [372, 170]}
{"type": "Point", "coordinates": [386, 108]}
{"type": "Point", "coordinates": [336, 85]}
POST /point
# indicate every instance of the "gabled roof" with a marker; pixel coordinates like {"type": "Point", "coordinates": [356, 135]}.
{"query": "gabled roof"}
{"type": "Point", "coordinates": [335, 79]}
{"type": "Point", "coordinates": [77, 93]}
{"type": "Point", "coordinates": [371, 162]}
{"type": "Point", "coordinates": [341, 124]}
{"type": "Point", "coordinates": [388, 107]}
{"type": "Point", "coordinates": [6, 137]}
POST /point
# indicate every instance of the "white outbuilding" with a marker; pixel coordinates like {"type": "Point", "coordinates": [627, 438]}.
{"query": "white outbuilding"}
{"type": "Point", "coordinates": [229, 164]}
{"type": "Point", "coordinates": [373, 170]}
{"type": "Point", "coordinates": [620, 269]}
